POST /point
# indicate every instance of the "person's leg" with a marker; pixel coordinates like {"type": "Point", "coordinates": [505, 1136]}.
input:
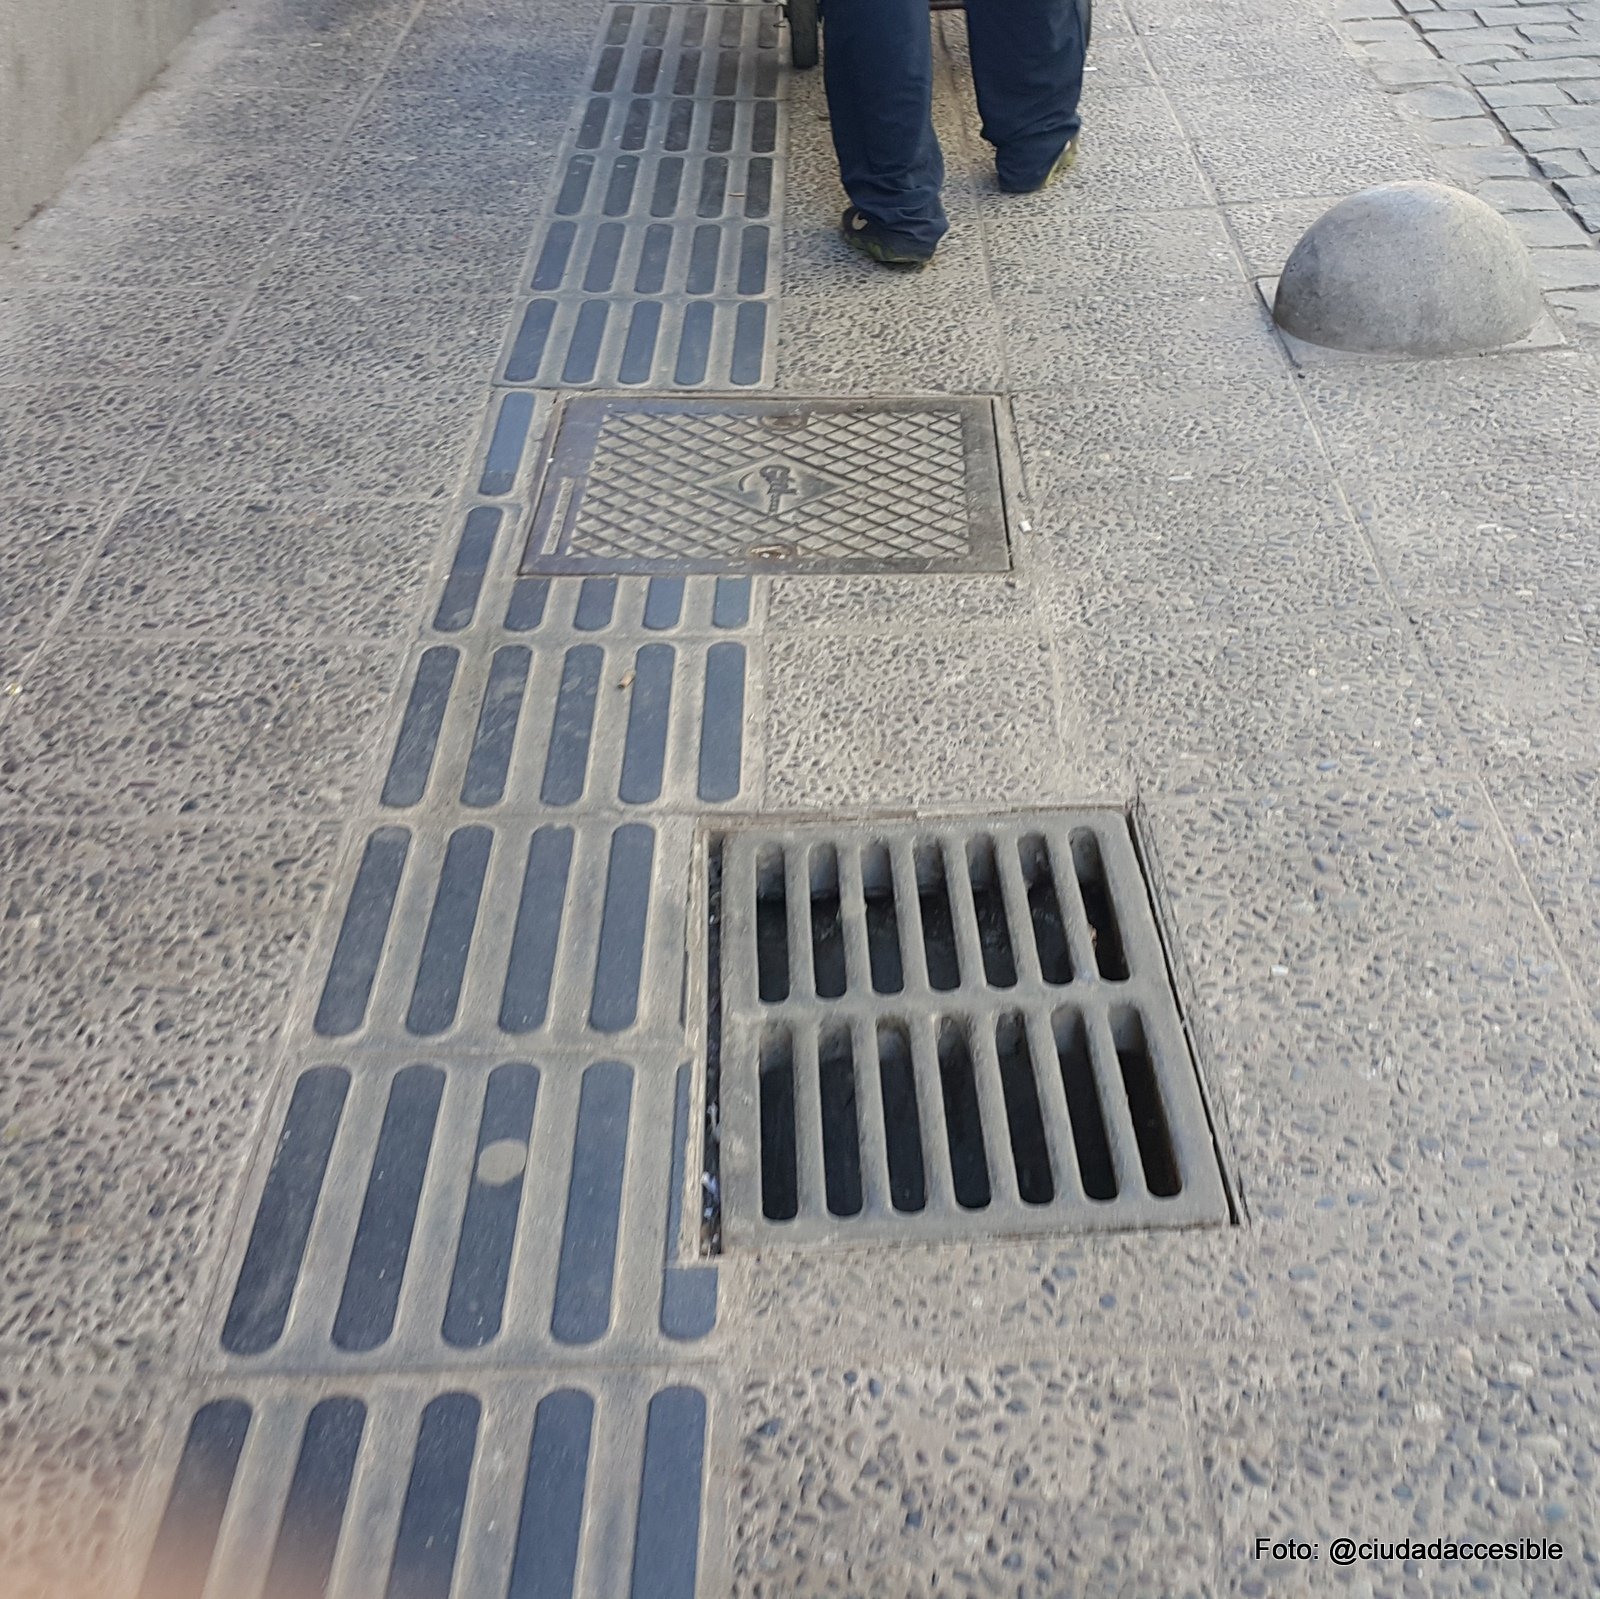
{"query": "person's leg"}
{"type": "Point", "coordinates": [877, 63]}
{"type": "Point", "coordinates": [1027, 67]}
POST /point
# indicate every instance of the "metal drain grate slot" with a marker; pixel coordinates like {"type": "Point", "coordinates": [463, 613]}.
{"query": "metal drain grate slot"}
{"type": "Point", "coordinates": [451, 1213]}
{"type": "Point", "coordinates": [640, 485]}
{"type": "Point", "coordinates": [939, 1029]}
{"type": "Point", "coordinates": [561, 1490]}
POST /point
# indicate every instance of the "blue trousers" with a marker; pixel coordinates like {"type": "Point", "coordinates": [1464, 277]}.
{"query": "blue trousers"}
{"type": "Point", "coordinates": [1027, 66]}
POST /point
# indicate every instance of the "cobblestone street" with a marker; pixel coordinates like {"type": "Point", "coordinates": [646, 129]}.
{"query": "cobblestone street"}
{"type": "Point", "coordinates": [685, 919]}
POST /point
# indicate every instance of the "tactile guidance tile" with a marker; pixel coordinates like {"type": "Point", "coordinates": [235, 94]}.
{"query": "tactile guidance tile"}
{"type": "Point", "coordinates": [625, 722]}
{"type": "Point", "coordinates": [834, 485]}
{"type": "Point", "coordinates": [466, 1215]}
{"type": "Point", "coordinates": [657, 263]}
{"type": "Point", "coordinates": [561, 931]}
{"type": "Point", "coordinates": [941, 1029]}
{"type": "Point", "coordinates": [555, 1486]}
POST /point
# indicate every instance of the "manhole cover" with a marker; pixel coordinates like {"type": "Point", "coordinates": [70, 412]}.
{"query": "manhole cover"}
{"type": "Point", "coordinates": [634, 485]}
{"type": "Point", "coordinates": [930, 1030]}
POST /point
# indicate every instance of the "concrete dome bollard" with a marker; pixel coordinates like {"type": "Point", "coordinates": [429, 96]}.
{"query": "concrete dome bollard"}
{"type": "Point", "coordinates": [1409, 269]}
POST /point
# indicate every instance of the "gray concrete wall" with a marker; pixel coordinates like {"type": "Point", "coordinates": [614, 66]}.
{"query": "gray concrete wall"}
{"type": "Point", "coordinates": [68, 70]}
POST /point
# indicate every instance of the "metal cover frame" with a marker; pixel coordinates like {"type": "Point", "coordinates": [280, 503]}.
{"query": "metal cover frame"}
{"type": "Point", "coordinates": [569, 453]}
{"type": "Point", "coordinates": [1203, 1198]}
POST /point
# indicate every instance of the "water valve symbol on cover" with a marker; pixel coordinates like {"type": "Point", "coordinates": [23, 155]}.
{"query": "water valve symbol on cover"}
{"type": "Point", "coordinates": [780, 485]}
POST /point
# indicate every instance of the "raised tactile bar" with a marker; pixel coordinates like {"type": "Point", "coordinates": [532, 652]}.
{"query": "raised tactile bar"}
{"type": "Point", "coordinates": [587, 1486]}
{"type": "Point", "coordinates": [621, 721]}
{"type": "Point", "coordinates": [465, 1214]}
{"type": "Point", "coordinates": [656, 266]}
{"type": "Point", "coordinates": [512, 929]}
{"type": "Point", "coordinates": [940, 1029]}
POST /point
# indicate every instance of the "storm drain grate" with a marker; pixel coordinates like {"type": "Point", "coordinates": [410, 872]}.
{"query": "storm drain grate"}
{"type": "Point", "coordinates": [936, 1030]}
{"type": "Point", "coordinates": [702, 485]}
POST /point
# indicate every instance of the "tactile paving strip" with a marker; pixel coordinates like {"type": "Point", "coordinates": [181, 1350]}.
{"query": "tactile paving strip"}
{"type": "Point", "coordinates": [634, 484]}
{"type": "Point", "coordinates": [620, 700]}
{"type": "Point", "coordinates": [468, 1214]}
{"type": "Point", "coordinates": [458, 1345]}
{"type": "Point", "coordinates": [657, 264]}
{"type": "Point", "coordinates": [566, 930]}
{"type": "Point", "coordinates": [569, 1486]}
{"type": "Point", "coordinates": [950, 1029]}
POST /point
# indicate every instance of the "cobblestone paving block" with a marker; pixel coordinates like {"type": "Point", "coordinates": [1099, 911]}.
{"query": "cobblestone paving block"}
{"type": "Point", "coordinates": [1518, 194]}
{"type": "Point", "coordinates": [1440, 105]}
{"type": "Point", "coordinates": [1584, 195]}
{"type": "Point", "coordinates": [1408, 75]}
{"type": "Point", "coordinates": [1500, 97]}
{"type": "Point", "coordinates": [1581, 308]}
{"type": "Point", "coordinates": [1546, 231]}
{"type": "Point", "coordinates": [1568, 268]}
{"type": "Point", "coordinates": [1564, 164]}
{"type": "Point", "coordinates": [1474, 132]}
{"type": "Point", "coordinates": [1470, 168]}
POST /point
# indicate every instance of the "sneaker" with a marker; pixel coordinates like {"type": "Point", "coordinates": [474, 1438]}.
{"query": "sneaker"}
{"type": "Point", "coordinates": [886, 248]}
{"type": "Point", "coordinates": [1063, 163]}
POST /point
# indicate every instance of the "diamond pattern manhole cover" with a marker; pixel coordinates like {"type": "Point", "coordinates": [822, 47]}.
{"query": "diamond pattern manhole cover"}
{"type": "Point", "coordinates": [938, 1030]}
{"type": "Point", "coordinates": [692, 485]}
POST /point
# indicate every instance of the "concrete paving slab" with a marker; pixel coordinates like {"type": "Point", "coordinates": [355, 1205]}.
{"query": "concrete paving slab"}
{"type": "Point", "coordinates": [121, 1173]}
{"type": "Point", "coordinates": [843, 730]}
{"type": "Point", "coordinates": [854, 1478]}
{"type": "Point", "coordinates": [125, 935]}
{"type": "Point", "coordinates": [176, 726]}
{"type": "Point", "coordinates": [86, 1439]}
{"type": "Point", "coordinates": [1482, 1437]}
{"type": "Point", "coordinates": [334, 571]}
{"type": "Point", "coordinates": [79, 441]}
{"type": "Point", "coordinates": [43, 547]}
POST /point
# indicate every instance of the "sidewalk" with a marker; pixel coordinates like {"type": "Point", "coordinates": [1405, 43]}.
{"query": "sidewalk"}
{"type": "Point", "coordinates": [274, 378]}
